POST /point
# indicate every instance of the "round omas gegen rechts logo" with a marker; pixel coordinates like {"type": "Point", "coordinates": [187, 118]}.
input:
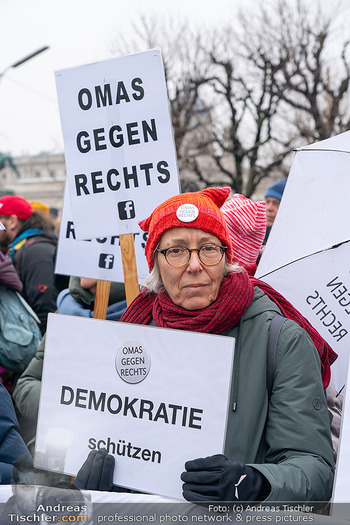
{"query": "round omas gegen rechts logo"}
{"type": "Point", "coordinates": [187, 213]}
{"type": "Point", "coordinates": [133, 362]}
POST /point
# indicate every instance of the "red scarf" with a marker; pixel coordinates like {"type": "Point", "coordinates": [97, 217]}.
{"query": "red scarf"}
{"type": "Point", "coordinates": [326, 353]}
{"type": "Point", "coordinates": [235, 295]}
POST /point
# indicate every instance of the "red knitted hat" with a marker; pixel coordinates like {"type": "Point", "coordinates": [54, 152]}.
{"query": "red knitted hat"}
{"type": "Point", "coordinates": [15, 205]}
{"type": "Point", "coordinates": [198, 210]}
{"type": "Point", "coordinates": [246, 222]}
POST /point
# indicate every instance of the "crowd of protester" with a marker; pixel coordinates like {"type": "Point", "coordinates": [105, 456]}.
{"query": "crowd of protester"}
{"type": "Point", "coordinates": [278, 447]}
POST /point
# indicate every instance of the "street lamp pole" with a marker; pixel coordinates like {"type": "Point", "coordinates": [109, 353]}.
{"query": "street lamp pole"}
{"type": "Point", "coordinates": [22, 60]}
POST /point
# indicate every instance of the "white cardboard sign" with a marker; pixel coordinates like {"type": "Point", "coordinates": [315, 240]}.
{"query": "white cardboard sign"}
{"type": "Point", "coordinates": [95, 258]}
{"type": "Point", "coordinates": [119, 146]}
{"type": "Point", "coordinates": [307, 252]}
{"type": "Point", "coordinates": [141, 392]}
{"type": "Point", "coordinates": [322, 296]}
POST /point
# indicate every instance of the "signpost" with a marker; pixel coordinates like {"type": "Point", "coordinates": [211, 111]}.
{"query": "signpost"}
{"type": "Point", "coordinates": [101, 299]}
{"type": "Point", "coordinates": [129, 266]}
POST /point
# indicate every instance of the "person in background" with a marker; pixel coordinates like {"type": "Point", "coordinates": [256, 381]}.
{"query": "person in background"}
{"type": "Point", "coordinates": [8, 275]}
{"type": "Point", "coordinates": [8, 278]}
{"type": "Point", "coordinates": [79, 299]}
{"type": "Point", "coordinates": [246, 221]}
{"type": "Point", "coordinates": [273, 198]}
{"type": "Point", "coordinates": [277, 448]}
{"type": "Point", "coordinates": [31, 243]}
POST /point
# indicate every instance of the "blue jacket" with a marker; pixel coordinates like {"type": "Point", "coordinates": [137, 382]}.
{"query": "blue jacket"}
{"type": "Point", "coordinates": [66, 304]}
{"type": "Point", "coordinates": [12, 447]}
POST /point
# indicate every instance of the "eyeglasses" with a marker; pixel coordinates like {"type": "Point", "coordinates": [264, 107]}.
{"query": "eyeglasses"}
{"type": "Point", "coordinates": [208, 254]}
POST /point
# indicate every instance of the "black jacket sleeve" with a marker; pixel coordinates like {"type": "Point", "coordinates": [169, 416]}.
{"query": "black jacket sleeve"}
{"type": "Point", "coordinates": [12, 446]}
{"type": "Point", "coordinates": [37, 275]}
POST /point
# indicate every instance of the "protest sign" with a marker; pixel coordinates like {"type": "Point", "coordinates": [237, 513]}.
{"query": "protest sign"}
{"type": "Point", "coordinates": [321, 296]}
{"type": "Point", "coordinates": [307, 253]}
{"type": "Point", "coordinates": [95, 258]}
{"type": "Point", "coordinates": [141, 392]}
{"type": "Point", "coordinates": [119, 146]}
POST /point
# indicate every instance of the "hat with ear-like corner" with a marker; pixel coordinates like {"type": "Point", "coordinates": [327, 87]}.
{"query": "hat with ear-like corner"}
{"type": "Point", "coordinates": [246, 222]}
{"type": "Point", "coordinates": [200, 210]}
{"type": "Point", "coordinates": [15, 205]}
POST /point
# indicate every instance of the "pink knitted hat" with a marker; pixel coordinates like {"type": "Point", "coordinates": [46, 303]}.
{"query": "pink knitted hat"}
{"type": "Point", "coordinates": [246, 221]}
{"type": "Point", "coordinates": [200, 209]}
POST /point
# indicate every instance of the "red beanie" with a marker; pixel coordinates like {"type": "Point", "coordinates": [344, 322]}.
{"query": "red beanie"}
{"type": "Point", "coordinates": [198, 210]}
{"type": "Point", "coordinates": [15, 205]}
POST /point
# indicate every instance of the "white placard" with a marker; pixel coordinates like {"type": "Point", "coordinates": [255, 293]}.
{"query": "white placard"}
{"type": "Point", "coordinates": [153, 397]}
{"type": "Point", "coordinates": [96, 258]}
{"type": "Point", "coordinates": [119, 146]}
{"type": "Point", "coordinates": [307, 252]}
{"type": "Point", "coordinates": [314, 213]}
{"type": "Point", "coordinates": [323, 297]}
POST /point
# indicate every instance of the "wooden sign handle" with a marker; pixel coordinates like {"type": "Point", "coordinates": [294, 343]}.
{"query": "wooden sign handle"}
{"type": "Point", "coordinates": [101, 299]}
{"type": "Point", "coordinates": [127, 247]}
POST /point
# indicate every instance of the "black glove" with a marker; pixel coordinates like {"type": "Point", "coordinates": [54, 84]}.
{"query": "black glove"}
{"type": "Point", "coordinates": [96, 472]}
{"type": "Point", "coordinates": [215, 478]}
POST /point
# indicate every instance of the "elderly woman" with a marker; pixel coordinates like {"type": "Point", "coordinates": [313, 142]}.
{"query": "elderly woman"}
{"type": "Point", "coordinates": [277, 448]}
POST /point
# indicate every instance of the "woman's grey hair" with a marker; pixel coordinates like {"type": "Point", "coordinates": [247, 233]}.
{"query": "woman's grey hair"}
{"type": "Point", "coordinates": [153, 282]}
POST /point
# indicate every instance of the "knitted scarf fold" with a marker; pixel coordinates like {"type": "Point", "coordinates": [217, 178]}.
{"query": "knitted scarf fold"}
{"type": "Point", "coordinates": [235, 295]}
{"type": "Point", "coordinates": [326, 353]}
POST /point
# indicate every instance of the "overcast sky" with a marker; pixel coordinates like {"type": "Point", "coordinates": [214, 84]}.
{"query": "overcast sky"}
{"type": "Point", "coordinates": [78, 32]}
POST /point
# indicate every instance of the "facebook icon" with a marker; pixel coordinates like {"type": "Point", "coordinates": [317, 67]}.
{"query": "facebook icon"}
{"type": "Point", "coordinates": [126, 210]}
{"type": "Point", "coordinates": [106, 261]}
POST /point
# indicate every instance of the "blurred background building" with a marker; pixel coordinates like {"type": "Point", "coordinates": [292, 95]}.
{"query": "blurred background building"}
{"type": "Point", "coordinates": [36, 178]}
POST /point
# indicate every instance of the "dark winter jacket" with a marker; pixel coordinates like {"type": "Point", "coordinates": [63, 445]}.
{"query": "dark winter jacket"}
{"type": "Point", "coordinates": [33, 255]}
{"type": "Point", "coordinates": [14, 455]}
{"type": "Point", "coordinates": [287, 438]}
